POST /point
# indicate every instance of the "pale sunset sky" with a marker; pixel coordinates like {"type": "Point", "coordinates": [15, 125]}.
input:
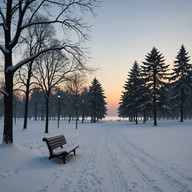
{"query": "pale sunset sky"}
{"type": "Point", "coordinates": [126, 30]}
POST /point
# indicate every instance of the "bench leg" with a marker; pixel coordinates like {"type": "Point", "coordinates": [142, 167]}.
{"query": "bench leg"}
{"type": "Point", "coordinates": [74, 152]}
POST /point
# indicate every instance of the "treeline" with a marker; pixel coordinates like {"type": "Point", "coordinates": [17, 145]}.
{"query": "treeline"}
{"type": "Point", "coordinates": [152, 91]}
{"type": "Point", "coordinates": [74, 101]}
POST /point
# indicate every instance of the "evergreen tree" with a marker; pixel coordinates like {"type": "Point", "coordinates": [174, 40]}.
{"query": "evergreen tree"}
{"type": "Point", "coordinates": [97, 101]}
{"type": "Point", "coordinates": [154, 74]}
{"type": "Point", "coordinates": [144, 100]}
{"type": "Point", "coordinates": [122, 106]}
{"type": "Point", "coordinates": [163, 104]}
{"type": "Point", "coordinates": [85, 110]}
{"type": "Point", "coordinates": [181, 88]}
{"type": "Point", "coordinates": [129, 100]}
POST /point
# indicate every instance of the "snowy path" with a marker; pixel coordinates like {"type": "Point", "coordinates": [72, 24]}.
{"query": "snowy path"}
{"type": "Point", "coordinates": [156, 174]}
{"type": "Point", "coordinates": [108, 160]}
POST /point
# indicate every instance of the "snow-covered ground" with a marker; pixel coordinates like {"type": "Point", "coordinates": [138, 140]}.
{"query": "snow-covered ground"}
{"type": "Point", "coordinates": [113, 157]}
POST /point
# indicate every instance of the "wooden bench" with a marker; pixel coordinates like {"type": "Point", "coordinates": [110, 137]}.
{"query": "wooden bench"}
{"type": "Point", "coordinates": [56, 142]}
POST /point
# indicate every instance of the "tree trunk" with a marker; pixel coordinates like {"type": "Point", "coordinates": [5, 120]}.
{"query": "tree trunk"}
{"type": "Point", "coordinates": [8, 97]}
{"type": "Point", "coordinates": [27, 97]}
{"type": "Point", "coordinates": [8, 108]}
{"type": "Point", "coordinates": [69, 120]}
{"type": "Point", "coordinates": [144, 117]}
{"type": "Point", "coordinates": [136, 117]}
{"type": "Point", "coordinates": [26, 110]}
{"type": "Point", "coordinates": [83, 117]}
{"type": "Point", "coordinates": [155, 111]}
{"type": "Point", "coordinates": [35, 114]}
{"type": "Point", "coordinates": [154, 100]}
{"type": "Point", "coordinates": [47, 114]}
{"type": "Point", "coordinates": [181, 108]}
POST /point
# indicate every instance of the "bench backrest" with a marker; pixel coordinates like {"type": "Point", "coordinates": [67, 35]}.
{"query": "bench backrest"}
{"type": "Point", "coordinates": [55, 142]}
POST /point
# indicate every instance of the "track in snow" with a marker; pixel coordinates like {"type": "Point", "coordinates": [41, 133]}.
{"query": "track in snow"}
{"type": "Point", "coordinates": [107, 161]}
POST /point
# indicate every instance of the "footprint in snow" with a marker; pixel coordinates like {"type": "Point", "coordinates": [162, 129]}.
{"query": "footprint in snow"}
{"type": "Point", "coordinates": [8, 172]}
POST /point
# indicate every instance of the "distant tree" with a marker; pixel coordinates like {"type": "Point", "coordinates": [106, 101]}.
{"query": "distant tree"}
{"type": "Point", "coordinates": [129, 104]}
{"type": "Point", "coordinates": [37, 103]}
{"type": "Point", "coordinates": [121, 108]}
{"type": "Point", "coordinates": [85, 110]}
{"type": "Point", "coordinates": [18, 105]}
{"type": "Point", "coordinates": [17, 16]}
{"type": "Point", "coordinates": [154, 74]}
{"type": "Point", "coordinates": [97, 101]}
{"type": "Point", "coordinates": [70, 106]}
{"type": "Point", "coordinates": [75, 86]}
{"type": "Point", "coordinates": [181, 87]}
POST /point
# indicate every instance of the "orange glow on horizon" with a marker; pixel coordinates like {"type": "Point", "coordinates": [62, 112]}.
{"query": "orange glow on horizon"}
{"type": "Point", "coordinates": [113, 99]}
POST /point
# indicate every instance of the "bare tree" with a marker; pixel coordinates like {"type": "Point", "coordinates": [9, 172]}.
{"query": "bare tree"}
{"type": "Point", "coordinates": [17, 16]}
{"type": "Point", "coordinates": [37, 38]}
{"type": "Point", "coordinates": [75, 86]}
{"type": "Point", "coordinates": [50, 70]}
{"type": "Point", "coordinates": [76, 83]}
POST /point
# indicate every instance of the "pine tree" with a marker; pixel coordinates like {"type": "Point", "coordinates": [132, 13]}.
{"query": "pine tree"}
{"type": "Point", "coordinates": [129, 100]}
{"type": "Point", "coordinates": [97, 101]}
{"type": "Point", "coordinates": [154, 74]}
{"type": "Point", "coordinates": [144, 100]}
{"type": "Point", "coordinates": [181, 88]}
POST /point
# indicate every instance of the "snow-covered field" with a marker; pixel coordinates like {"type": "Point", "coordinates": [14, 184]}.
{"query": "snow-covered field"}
{"type": "Point", "coordinates": [113, 157]}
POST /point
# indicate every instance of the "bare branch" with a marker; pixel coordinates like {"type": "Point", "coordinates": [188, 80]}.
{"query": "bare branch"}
{"type": "Point", "coordinates": [3, 19]}
{"type": "Point", "coordinates": [36, 10]}
{"type": "Point", "coordinates": [21, 13]}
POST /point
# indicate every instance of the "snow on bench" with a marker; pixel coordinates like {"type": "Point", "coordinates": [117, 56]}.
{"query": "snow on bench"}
{"type": "Point", "coordinates": [56, 142]}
